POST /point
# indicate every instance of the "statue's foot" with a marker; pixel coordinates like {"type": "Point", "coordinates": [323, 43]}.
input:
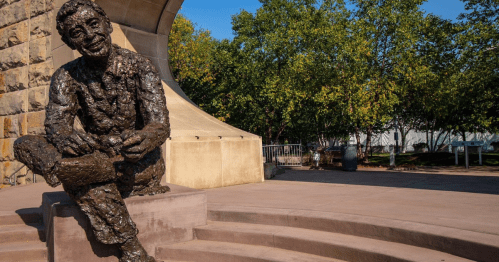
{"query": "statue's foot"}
{"type": "Point", "coordinates": [132, 251]}
{"type": "Point", "coordinates": [155, 190]}
{"type": "Point", "coordinates": [145, 258]}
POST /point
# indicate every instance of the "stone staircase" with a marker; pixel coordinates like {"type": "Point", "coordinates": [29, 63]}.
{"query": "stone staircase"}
{"type": "Point", "coordinates": [256, 234]}
{"type": "Point", "coordinates": [22, 237]}
{"type": "Point", "coordinates": [264, 234]}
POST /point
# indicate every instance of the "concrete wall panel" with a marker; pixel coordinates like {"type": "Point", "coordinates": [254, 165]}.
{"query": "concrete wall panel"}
{"type": "Point", "coordinates": [196, 164]}
{"type": "Point", "coordinates": [240, 165]}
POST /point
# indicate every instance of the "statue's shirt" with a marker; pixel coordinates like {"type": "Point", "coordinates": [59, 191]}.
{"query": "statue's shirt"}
{"type": "Point", "coordinates": [127, 96]}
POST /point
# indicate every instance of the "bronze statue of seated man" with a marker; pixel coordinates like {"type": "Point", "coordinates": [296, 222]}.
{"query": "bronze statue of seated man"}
{"type": "Point", "coordinates": [118, 97]}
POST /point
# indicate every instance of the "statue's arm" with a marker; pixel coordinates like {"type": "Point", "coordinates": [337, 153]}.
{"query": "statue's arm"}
{"type": "Point", "coordinates": [152, 106]}
{"type": "Point", "coordinates": [60, 114]}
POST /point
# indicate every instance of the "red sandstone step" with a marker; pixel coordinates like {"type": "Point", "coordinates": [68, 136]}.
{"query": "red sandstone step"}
{"type": "Point", "coordinates": [173, 261]}
{"type": "Point", "coordinates": [22, 233]}
{"type": "Point", "coordinates": [462, 243]}
{"type": "Point", "coordinates": [210, 251]}
{"type": "Point", "coordinates": [23, 252]}
{"type": "Point", "coordinates": [21, 217]}
{"type": "Point", "coordinates": [326, 244]}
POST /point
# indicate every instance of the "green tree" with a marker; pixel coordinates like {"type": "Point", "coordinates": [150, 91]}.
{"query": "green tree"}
{"type": "Point", "coordinates": [191, 54]}
{"type": "Point", "coordinates": [431, 98]}
{"type": "Point", "coordinates": [477, 108]}
{"type": "Point", "coordinates": [263, 74]}
{"type": "Point", "coordinates": [375, 56]}
{"type": "Point", "coordinates": [308, 69]}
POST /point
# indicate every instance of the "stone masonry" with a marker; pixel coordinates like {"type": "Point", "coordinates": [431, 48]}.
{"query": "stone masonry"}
{"type": "Point", "coordinates": [25, 70]}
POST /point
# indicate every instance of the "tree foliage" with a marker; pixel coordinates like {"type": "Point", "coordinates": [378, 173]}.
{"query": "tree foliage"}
{"type": "Point", "coordinates": [191, 60]}
{"type": "Point", "coordinates": [479, 61]}
{"type": "Point", "coordinates": [313, 70]}
{"type": "Point", "coordinates": [263, 72]}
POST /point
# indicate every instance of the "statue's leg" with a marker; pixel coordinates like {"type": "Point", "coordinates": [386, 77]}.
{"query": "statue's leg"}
{"type": "Point", "coordinates": [90, 182]}
{"type": "Point", "coordinates": [42, 158]}
{"type": "Point", "coordinates": [109, 218]}
{"type": "Point", "coordinates": [143, 177]}
{"type": "Point", "coordinates": [105, 208]}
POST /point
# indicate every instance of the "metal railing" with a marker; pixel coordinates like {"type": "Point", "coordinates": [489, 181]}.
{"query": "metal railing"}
{"type": "Point", "coordinates": [283, 155]}
{"type": "Point", "coordinates": [12, 179]}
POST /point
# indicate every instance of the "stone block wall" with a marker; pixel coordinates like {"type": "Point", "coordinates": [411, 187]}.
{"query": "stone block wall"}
{"type": "Point", "coordinates": [25, 70]}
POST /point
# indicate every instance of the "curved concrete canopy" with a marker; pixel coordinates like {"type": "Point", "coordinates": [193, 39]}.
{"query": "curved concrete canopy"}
{"type": "Point", "coordinates": [153, 16]}
{"type": "Point", "coordinates": [202, 151]}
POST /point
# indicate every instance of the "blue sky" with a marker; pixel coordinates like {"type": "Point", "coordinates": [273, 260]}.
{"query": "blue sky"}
{"type": "Point", "coordinates": [215, 15]}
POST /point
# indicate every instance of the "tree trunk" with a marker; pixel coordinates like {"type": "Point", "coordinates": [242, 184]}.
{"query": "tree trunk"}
{"type": "Point", "coordinates": [268, 135]}
{"type": "Point", "coordinates": [322, 139]}
{"type": "Point", "coordinates": [369, 135]}
{"type": "Point", "coordinates": [279, 132]}
{"type": "Point", "coordinates": [359, 148]}
{"type": "Point", "coordinates": [427, 138]}
{"type": "Point", "coordinates": [403, 138]}
{"type": "Point", "coordinates": [441, 145]}
{"type": "Point", "coordinates": [404, 127]}
{"type": "Point", "coordinates": [268, 131]}
{"type": "Point", "coordinates": [432, 144]}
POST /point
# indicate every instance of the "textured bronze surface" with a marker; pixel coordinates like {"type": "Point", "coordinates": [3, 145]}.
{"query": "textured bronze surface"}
{"type": "Point", "coordinates": [118, 97]}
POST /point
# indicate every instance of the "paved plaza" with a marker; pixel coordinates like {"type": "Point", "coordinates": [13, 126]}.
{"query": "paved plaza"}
{"type": "Point", "coordinates": [429, 214]}
{"type": "Point", "coordinates": [451, 197]}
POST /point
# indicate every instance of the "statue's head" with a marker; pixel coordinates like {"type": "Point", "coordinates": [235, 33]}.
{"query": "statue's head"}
{"type": "Point", "coordinates": [84, 26]}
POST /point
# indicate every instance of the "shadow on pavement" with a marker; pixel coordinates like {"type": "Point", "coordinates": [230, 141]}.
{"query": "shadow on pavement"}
{"type": "Point", "coordinates": [457, 183]}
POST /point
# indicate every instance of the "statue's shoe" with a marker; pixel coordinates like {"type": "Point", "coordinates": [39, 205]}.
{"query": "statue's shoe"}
{"type": "Point", "coordinates": [39, 156]}
{"type": "Point", "coordinates": [135, 259]}
{"type": "Point", "coordinates": [155, 190]}
{"type": "Point", "coordinates": [132, 251]}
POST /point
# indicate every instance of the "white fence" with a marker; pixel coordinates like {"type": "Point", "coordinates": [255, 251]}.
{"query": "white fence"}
{"type": "Point", "coordinates": [283, 155]}
{"type": "Point", "coordinates": [386, 139]}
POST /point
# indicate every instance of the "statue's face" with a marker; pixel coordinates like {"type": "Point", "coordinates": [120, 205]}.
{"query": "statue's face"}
{"type": "Point", "coordinates": [89, 33]}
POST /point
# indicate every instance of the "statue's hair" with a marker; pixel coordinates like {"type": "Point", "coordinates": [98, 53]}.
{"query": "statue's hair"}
{"type": "Point", "coordinates": [70, 8]}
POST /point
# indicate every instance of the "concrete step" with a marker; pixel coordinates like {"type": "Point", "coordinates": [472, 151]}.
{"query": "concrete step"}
{"type": "Point", "coordinates": [326, 244]}
{"type": "Point", "coordinates": [173, 260]}
{"type": "Point", "coordinates": [212, 251]}
{"type": "Point", "coordinates": [472, 245]}
{"type": "Point", "coordinates": [22, 233]}
{"type": "Point", "coordinates": [28, 216]}
{"type": "Point", "coordinates": [23, 252]}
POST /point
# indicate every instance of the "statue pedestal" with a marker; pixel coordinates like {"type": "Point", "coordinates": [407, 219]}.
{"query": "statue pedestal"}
{"type": "Point", "coordinates": [161, 219]}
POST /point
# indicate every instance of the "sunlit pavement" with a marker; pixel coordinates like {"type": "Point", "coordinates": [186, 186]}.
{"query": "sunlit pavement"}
{"type": "Point", "coordinates": [450, 197]}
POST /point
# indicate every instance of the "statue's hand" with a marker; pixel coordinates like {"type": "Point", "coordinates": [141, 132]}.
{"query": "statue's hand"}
{"type": "Point", "coordinates": [137, 144]}
{"type": "Point", "coordinates": [78, 143]}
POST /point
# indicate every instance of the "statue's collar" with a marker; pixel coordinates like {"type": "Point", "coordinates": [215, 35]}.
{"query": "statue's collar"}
{"type": "Point", "coordinates": [113, 64]}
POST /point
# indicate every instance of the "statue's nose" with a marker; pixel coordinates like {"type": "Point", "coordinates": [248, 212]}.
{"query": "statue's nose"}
{"type": "Point", "coordinates": [89, 33]}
